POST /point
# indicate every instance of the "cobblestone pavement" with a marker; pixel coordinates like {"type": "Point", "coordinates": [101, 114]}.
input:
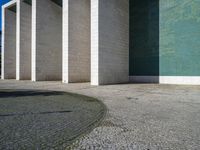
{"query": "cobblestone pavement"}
{"type": "Point", "coordinates": [140, 116]}
{"type": "Point", "coordinates": [31, 119]}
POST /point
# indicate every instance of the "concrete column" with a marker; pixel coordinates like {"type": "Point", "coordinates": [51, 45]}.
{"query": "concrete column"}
{"type": "Point", "coordinates": [46, 40]}
{"type": "Point", "coordinates": [23, 70]}
{"type": "Point", "coordinates": [9, 41]}
{"type": "Point", "coordinates": [110, 41]}
{"type": "Point", "coordinates": [76, 41]}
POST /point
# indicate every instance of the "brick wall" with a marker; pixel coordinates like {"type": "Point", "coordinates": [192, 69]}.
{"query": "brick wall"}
{"type": "Point", "coordinates": [110, 37]}
{"type": "Point", "coordinates": [46, 40]}
{"type": "Point", "coordinates": [23, 41]}
{"type": "Point", "coordinates": [9, 45]}
{"type": "Point", "coordinates": [76, 41]}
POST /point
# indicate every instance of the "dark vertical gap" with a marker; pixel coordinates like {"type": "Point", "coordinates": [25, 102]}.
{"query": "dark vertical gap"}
{"type": "Point", "coordinates": [13, 8]}
{"type": "Point", "coordinates": [144, 38]}
{"type": "Point", "coordinates": [28, 2]}
{"type": "Point", "coordinates": [58, 2]}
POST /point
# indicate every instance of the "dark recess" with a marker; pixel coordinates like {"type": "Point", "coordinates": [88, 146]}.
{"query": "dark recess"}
{"type": "Point", "coordinates": [58, 2]}
{"type": "Point", "coordinates": [144, 38]}
{"type": "Point", "coordinates": [28, 2]}
{"type": "Point", "coordinates": [13, 8]}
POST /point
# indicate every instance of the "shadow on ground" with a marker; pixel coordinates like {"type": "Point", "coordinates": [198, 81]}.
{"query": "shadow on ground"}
{"type": "Point", "coordinates": [20, 93]}
{"type": "Point", "coordinates": [31, 119]}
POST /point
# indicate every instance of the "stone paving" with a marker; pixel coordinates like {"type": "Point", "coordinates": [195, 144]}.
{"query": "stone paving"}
{"type": "Point", "coordinates": [139, 117]}
{"type": "Point", "coordinates": [31, 119]}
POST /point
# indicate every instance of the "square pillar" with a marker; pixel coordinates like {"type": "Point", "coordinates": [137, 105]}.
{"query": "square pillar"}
{"type": "Point", "coordinates": [76, 41]}
{"type": "Point", "coordinates": [23, 70]}
{"type": "Point", "coordinates": [110, 41]}
{"type": "Point", "coordinates": [9, 40]}
{"type": "Point", "coordinates": [46, 40]}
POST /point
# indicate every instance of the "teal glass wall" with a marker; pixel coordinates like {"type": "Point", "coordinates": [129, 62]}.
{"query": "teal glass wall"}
{"type": "Point", "coordinates": [180, 37]}
{"type": "Point", "coordinates": [165, 37]}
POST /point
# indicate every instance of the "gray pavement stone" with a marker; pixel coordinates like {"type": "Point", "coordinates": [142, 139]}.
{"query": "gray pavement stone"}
{"type": "Point", "coordinates": [35, 119]}
{"type": "Point", "coordinates": [139, 117]}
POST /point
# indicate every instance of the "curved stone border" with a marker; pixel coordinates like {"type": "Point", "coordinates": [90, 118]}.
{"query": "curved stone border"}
{"type": "Point", "coordinates": [46, 119]}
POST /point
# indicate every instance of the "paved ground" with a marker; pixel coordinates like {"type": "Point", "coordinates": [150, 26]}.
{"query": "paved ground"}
{"type": "Point", "coordinates": [32, 119]}
{"type": "Point", "coordinates": [140, 116]}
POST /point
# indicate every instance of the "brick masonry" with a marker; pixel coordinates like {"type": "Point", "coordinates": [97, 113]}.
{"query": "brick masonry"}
{"type": "Point", "coordinates": [76, 41]}
{"type": "Point", "coordinates": [149, 43]}
{"type": "Point", "coordinates": [46, 41]}
{"type": "Point", "coordinates": [110, 41]}
{"type": "Point", "coordinates": [23, 68]}
{"type": "Point", "coordinates": [8, 43]}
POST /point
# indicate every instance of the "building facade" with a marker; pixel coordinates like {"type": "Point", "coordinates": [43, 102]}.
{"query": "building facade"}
{"type": "Point", "coordinates": [102, 41]}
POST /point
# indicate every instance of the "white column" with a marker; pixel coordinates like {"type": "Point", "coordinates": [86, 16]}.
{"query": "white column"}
{"type": "Point", "coordinates": [110, 41]}
{"type": "Point", "coordinates": [95, 42]}
{"type": "Point", "coordinates": [76, 41]}
{"type": "Point", "coordinates": [65, 36]}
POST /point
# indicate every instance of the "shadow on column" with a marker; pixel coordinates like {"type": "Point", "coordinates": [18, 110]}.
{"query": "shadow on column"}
{"type": "Point", "coordinates": [144, 38]}
{"type": "Point", "coordinates": [76, 41]}
{"type": "Point", "coordinates": [9, 51]}
{"type": "Point", "coordinates": [24, 40]}
{"type": "Point", "coordinates": [46, 40]}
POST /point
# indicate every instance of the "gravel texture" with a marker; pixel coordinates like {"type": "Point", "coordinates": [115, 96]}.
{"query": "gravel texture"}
{"type": "Point", "coordinates": [32, 119]}
{"type": "Point", "coordinates": [139, 117]}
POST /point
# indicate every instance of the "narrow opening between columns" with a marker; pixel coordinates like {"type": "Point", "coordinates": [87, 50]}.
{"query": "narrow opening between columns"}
{"type": "Point", "coordinates": [24, 30]}
{"type": "Point", "coordinates": [46, 40]}
{"type": "Point", "coordinates": [9, 42]}
{"type": "Point", "coordinates": [76, 41]}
